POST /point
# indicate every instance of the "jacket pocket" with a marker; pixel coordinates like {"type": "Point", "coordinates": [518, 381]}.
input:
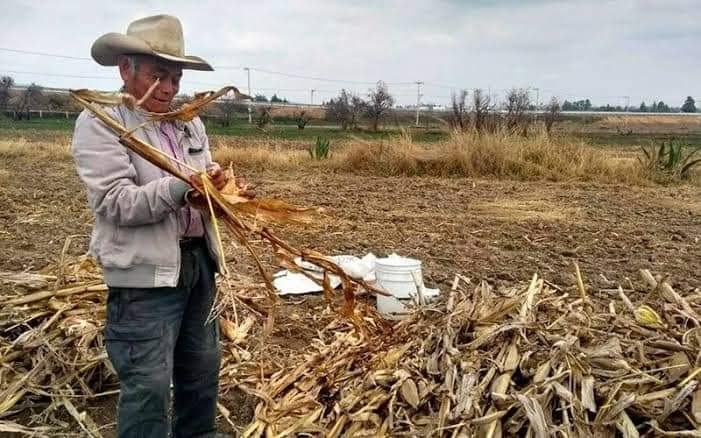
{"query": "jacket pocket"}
{"type": "Point", "coordinates": [136, 345]}
{"type": "Point", "coordinates": [196, 153]}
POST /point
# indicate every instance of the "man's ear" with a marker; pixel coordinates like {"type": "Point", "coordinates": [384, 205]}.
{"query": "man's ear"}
{"type": "Point", "coordinates": [124, 67]}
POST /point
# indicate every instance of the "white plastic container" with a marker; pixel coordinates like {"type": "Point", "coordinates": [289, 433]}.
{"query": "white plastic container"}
{"type": "Point", "coordinates": [399, 276]}
{"type": "Point", "coordinates": [392, 308]}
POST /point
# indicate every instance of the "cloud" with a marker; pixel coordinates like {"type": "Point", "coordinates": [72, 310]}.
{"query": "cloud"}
{"type": "Point", "coordinates": [590, 48]}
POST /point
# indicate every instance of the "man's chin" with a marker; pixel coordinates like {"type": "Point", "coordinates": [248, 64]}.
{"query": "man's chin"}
{"type": "Point", "coordinates": [157, 107]}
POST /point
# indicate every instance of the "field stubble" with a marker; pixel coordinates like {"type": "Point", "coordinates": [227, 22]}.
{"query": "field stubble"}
{"type": "Point", "coordinates": [540, 214]}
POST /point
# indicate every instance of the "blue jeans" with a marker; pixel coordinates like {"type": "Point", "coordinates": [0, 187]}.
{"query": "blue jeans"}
{"type": "Point", "coordinates": [154, 335]}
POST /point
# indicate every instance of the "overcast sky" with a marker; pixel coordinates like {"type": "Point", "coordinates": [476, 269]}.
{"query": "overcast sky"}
{"type": "Point", "coordinates": [575, 49]}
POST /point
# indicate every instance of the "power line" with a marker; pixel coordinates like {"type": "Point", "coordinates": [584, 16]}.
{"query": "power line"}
{"type": "Point", "coordinates": [53, 55]}
{"type": "Point", "coordinates": [449, 87]}
{"type": "Point", "coordinates": [273, 72]}
{"type": "Point", "coordinates": [313, 78]}
{"type": "Point", "coordinates": [261, 70]}
{"type": "Point", "coordinates": [72, 76]}
{"type": "Point", "coordinates": [58, 75]}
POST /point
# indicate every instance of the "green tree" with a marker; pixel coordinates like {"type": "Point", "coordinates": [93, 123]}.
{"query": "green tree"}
{"type": "Point", "coordinates": [689, 105]}
{"type": "Point", "coordinates": [260, 98]}
{"type": "Point", "coordinates": [662, 107]}
{"type": "Point", "coordinates": [643, 107]}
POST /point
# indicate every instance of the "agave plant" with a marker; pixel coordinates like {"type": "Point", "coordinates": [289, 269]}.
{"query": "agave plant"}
{"type": "Point", "coordinates": [671, 159]}
{"type": "Point", "coordinates": [320, 149]}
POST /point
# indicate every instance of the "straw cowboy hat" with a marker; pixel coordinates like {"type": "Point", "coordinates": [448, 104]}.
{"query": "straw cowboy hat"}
{"type": "Point", "coordinates": [159, 35]}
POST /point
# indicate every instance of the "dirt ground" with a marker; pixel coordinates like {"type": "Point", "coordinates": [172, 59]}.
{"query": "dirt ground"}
{"type": "Point", "coordinates": [499, 231]}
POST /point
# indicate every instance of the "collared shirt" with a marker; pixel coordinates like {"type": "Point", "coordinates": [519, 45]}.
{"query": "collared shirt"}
{"type": "Point", "coordinates": [191, 222]}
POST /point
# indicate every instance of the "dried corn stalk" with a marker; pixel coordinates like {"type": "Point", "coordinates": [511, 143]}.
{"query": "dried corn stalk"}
{"type": "Point", "coordinates": [485, 363]}
{"type": "Point", "coordinates": [225, 205]}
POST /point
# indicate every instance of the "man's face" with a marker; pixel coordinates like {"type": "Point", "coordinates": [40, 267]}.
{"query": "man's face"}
{"type": "Point", "coordinates": [148, 70]}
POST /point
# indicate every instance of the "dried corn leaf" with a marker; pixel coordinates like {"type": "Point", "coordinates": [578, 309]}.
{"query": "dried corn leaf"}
{"type": "Point", "coordinates": [696, 407]}
{"type": "Point", "coordinates": [587, 393]}
{"type": "Point", "coordinates": [410, 393]}
{"type": "Point", "coordinates": [626, 426]}
{"type": "Point", "coordinates": [535, 414]}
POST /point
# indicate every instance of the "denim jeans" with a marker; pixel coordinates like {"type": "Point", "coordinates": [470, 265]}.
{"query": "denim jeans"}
{"type": "Point", "coordinates": [155, 335]}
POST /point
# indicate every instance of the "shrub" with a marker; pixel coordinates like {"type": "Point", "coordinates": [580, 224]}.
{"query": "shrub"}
{"type": "Point", "coordinates": [669, 160]}
{"type": "Point", "coordinates": [320, 149]}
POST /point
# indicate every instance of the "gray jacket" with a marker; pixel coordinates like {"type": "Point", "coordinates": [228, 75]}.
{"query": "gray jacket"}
{"type": "Point", "coordinates": [134, 203]}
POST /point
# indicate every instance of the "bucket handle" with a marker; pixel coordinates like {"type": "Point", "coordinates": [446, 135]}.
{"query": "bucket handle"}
{"type": "Point", "coordinates": [418, 282]}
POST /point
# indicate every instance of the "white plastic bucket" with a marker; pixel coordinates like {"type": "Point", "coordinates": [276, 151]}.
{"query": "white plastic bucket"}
{"type": "Point", "coordinates": [399, 276]}
{"type": "Point", "coordinates": [391, 307]}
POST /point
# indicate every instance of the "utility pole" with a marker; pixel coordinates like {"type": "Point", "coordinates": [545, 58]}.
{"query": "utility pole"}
{"type": "Point", "coordinates": [250, 118]}
{"type": "Point", "coordinates": [537, 97]}
{"type": "Point", "coordinates": [418, 100]}
{"type": "Point", "coordinates": [311, 96]}
{"type": "Point", "coordinates": [537, 101]}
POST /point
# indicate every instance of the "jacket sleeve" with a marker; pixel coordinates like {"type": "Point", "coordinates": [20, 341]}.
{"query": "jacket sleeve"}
{"type": "Point", "coordinates": [106, 169]}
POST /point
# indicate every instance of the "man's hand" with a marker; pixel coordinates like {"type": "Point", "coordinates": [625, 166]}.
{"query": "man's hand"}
{"type": "Point", "coordinates": [235, 189]}
{"type": "Point", "coordinates": [244, 189]}
{"type": "Point", "coordinates": [217, 175]}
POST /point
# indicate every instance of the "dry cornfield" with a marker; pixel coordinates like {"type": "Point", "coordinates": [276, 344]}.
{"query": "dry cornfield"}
{"type": "Point", "coordinates": [482, 361]}
{"type": "Point", "coordinates": [607, 349]}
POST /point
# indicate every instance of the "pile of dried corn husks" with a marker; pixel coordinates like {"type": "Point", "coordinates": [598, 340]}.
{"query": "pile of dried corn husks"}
{"type": "Point", "coordinates": [51, 351]}
{"type": "Point", "coordinates": [535, 361]}
{"type": "Point", "coordinates": [481, 362]}
{"type": "Point", "coordinates": [52, 358]}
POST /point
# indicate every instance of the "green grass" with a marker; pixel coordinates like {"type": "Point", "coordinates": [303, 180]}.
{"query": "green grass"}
{"type": "Point", "coordinates": [285, 129]}
{"type": "Point", "coordinates": [53, 124]}
{"type": "Point", "coordinates": [9, 127]}
{"type": "Point", "coordinates": [617, 140]}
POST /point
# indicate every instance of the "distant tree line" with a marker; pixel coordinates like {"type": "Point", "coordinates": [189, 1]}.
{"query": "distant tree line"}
{"type": "Point", "coordinates": [347, 109]}
{"type": "Point", "coordinates": [273, 99]}
{"type": "Point", "coordinates": [689, 106]}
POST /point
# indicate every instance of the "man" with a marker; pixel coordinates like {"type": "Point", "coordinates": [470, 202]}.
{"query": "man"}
{"type": "Point", "coordinates": [157, 252]}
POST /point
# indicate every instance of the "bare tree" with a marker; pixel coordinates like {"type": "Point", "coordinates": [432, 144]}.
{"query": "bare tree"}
{"type": "Point", "coordinates": [357, 108]}
{"type": "Point", "coordinates": [481, 104]}
{"type": "Point", "coordinates": [6, 84]}
{"type": "Point", "coordinates": [379, 102]}
{"type": "Point", "coordinates": [229, 107]}
{"type": "Point", "coordinates": [552, 114]}
{"type": "Point", "coordinates": [338, 110]}
{"type": "Point", "coordinates": [345, 110]}
{"type": "Point", "coordinates": [264, 117]}
{"type": "Point", "coordinates": [517, 103]}
{"type": "Point", "coordinates": [32, 96]}
{"type": "Point", "coordinates": [460, 118]}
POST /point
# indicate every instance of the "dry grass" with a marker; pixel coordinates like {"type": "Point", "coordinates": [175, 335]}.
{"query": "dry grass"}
{"type": "Point", "coordinates": [463, 155]}
{"type": "Point", "coordinates": [259, 155]}
{"type": "Point", "coordinates": [282, 111]}
{"type": "Point", "coordinates": [501, 156]}
{"type": "Point", "coordinates": [514, 210]}
{"type": "Point", "coordinates": [49, 149]}
{"type": "Point", "coordinates": [644, 120]}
